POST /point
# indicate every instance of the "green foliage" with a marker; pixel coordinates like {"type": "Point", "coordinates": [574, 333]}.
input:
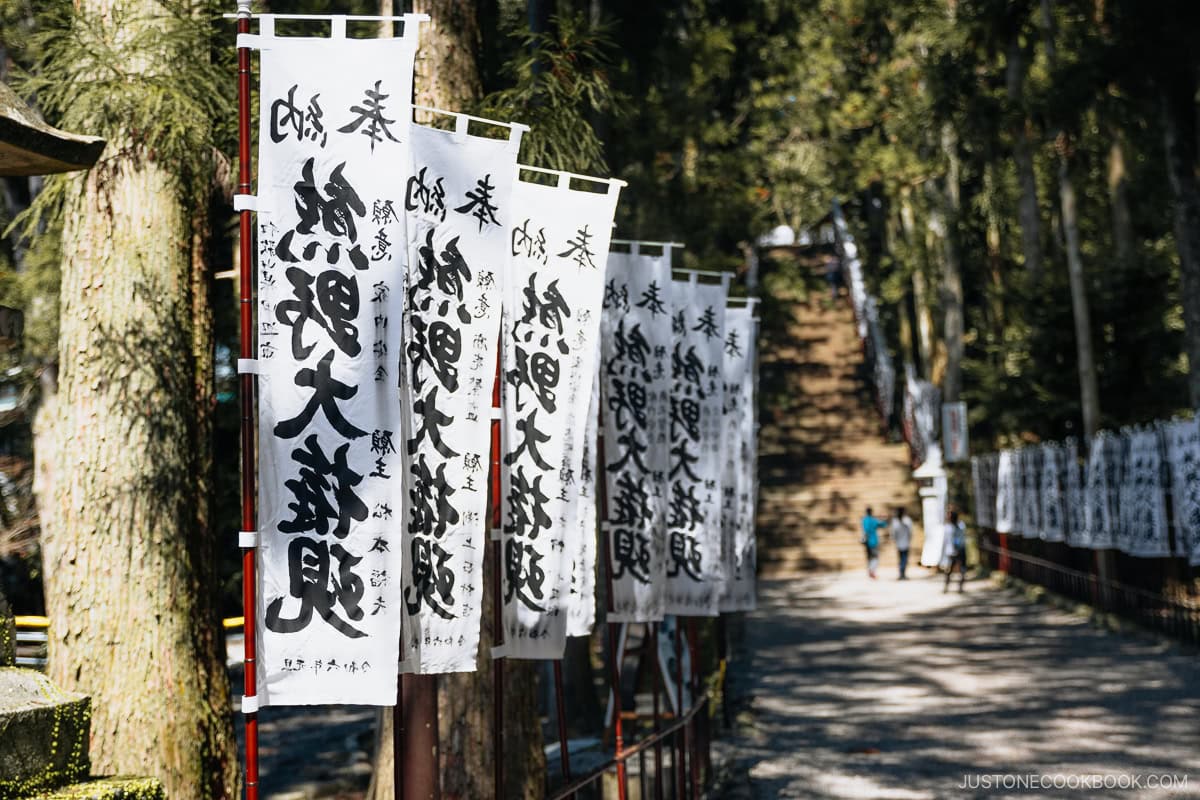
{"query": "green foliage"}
{"type": "Point", "coordinates": [559, 84]}
{"type": "Point", "coordinates": [148, 84]}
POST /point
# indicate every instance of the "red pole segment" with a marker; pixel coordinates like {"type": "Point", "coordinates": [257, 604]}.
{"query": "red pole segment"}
{"type": "Point", "coordinates": [696, 727]}
{"type": "Point", "coordinates": [614, 666]}
{"type": "Point", "coordinates": [655, 678]}
{"type": "Point", "coordinates": [246, 392]}
{"type": "Point", "coordinates": [681, 737]}
{"type": "Point", "coordinates": [419, 737]}
{"type": "Point", "coordinates": [497, 592]}
{"type": "Point", "coordinates": [564, 753]}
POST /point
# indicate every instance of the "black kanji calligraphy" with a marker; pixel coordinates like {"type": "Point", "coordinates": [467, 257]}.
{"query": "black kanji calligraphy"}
{"type": "Point", "coordinates": [311, 507]}
{"type": "Point", "coordinates": [479, 202]}
{"type": "Point", "coordinates": [333, 307]}
{"type": "Point", "coordinates": [370, 114]}
{"type": "Point", "coordinates": [312, 581]}
{"type": "Point", "coordinates": [327, 390]}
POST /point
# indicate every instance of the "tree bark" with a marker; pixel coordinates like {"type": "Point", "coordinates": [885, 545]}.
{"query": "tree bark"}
{"type": "Point", "coordinates": [1118, 198]}
{"type": "Point", "coordinates": [448, 78]}
{"type": "Point", "coordinates": [952, 289]}
{"type": "Point", "coordinates": [1088, 391]}
{"type": "Point", "coordinates": [1179, 135]}
{"type": "Point", "coordinates": [447, 66]}
{"type": "Point", "coordinates": [1028, 213]}
{"type": "Point", "coordinates": [124, 457]}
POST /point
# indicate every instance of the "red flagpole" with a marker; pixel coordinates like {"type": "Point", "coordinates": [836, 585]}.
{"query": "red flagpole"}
{"type": "Point", "coordinates": [497, 593]}
{"type": "Point", "coordinates": [246, 392]}
{"type": "Point", "coordinates": [614, 665]}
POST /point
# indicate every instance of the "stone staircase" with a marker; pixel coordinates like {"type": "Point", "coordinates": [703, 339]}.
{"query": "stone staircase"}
{"type": "Point", "coordinates": [824, 455]}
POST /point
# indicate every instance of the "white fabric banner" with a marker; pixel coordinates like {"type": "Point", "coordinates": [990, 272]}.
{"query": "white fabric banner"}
{"type": "Point", "coordinates": [553, 293]}
{"type": "Point", "coordinates": [737, 488]}
{"type": "Point", "coordinates": [1006, 492]}
{"type": "Point", "coordinates": [1100, 494]}
{"type": "Point", "coordinates": [581, 595]}
{"type": "Point", "coordinates": [458, 207]}
{"type": "Point", "coordinates": [1028, 502]}
{"type": "Point", "coordinates": [1183, 457]}
{"type": "Point", "coordinates": [636, 396]}
{"type": "Point", "coordinates": [1053, 507]}
{"type": "Point", "coordinates": [333, 155]}
{"type": "Point", "coordinates": [1074, 483]}
{"type": "Point", "coordinates": [1143, 498]}
{"type": "Point", "coordinates": [694, 478]}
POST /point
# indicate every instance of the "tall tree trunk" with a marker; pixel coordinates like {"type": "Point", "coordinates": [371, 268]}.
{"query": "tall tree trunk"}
{"type": "Point", "coordinates": [447, 67]}
{"type": "Point", "coordinates": [995, 255]}
{"type": "Point", "coordinates": [1179, 135]}
{"type": "Point", "coordinates": [1118, 198]}
{"type": "Point", "coordinates": [952, 289]}
{"type": "Point", "coordinates": [921, 322]}
{"type": "Point", "coordinates": [1089, 393]}
{"type": "Point", "coordinates": [448, 78]}
{"type": "Point", "coordinates": [124, 458]}
{"type": "Point", "coordinates": [1028, 213]}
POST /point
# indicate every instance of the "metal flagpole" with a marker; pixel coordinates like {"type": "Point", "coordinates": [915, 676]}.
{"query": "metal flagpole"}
{"type": "Point", "coordinates": [497, 592]}
{"type": "Point", "coordinates": [614, 666]}
{"type": "Point", "coordinates": [246, 392]}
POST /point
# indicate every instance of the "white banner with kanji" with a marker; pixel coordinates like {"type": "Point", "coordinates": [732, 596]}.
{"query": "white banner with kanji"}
{"type": "Point", "coordinates": [459, 209]}
{"type": "Point", "coordinates": [333, 159]}
{"type": "Point", "coordinates": [636, 383]}
{"type": "Point", "coordinates": [553, 292]}
{"type": "Point", "coordinates": [738, 490]}
{"type": "Point", "coordinates": [694, 478]}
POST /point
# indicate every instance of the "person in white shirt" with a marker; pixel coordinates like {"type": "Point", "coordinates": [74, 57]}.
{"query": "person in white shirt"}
{"type": "Point", "coordinates": [901, 530]}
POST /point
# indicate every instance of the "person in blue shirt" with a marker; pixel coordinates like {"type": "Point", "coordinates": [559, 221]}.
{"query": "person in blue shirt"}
{"type": "Point", "coordinates": [870, 538]}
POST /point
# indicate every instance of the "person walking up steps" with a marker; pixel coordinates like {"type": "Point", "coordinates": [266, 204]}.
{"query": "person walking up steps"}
{"type": "Point", "coordinates": [955, 551]}
{"type": "Point", "coordinates": [901, 530]}
{"type": "Point", "coordinates": [870, 539]}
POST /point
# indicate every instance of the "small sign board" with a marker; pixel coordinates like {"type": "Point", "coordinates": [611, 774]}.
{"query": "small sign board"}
{"type": "Point", "coordinates": [954, 432]}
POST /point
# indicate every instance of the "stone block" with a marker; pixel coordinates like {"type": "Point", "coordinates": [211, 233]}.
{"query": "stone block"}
{"type": "Point", "coordinates": [43, 734]}
{"type": "Point", "coordinates": [121, 788]}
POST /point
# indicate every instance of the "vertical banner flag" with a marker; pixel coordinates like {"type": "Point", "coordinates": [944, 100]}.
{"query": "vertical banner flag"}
{"type": "Point", "coordinates": [1142, 498]}
{"type": "Point", "coordinates": [581, 595]}
{"type": "Point", "coordinates": [1029, 463]}
{"type": "Point", "coordinates": [1183, 456]}
{"type": "Point", "coordinates": [1075, 483]}
{"type": "Point", "coordinates": [954, 431]}
{"type": "Point", "coordinates": [737, 487]}
{"type": "Point", "coordinates": [694, 477]}
{"type": "Point", "coordinates": [636, 396]}
{"type": "Point", "coordinates": [552, 297]}
{"type": "Point", "coordinates": [458, 206]}
{"type": "Point", "coordinates": [1053, 507]}
{"type": "Point", "coordinates": [333, 156]}
{"type": "Point", "coordinates": [1100, 512]}
{"type": "Point", "coordinates": [1006, 492]}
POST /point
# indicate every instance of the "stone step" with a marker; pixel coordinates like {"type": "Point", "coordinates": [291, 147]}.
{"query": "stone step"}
{"type": "Point", "coordinates": [118, 788]}
{"type": "Point", "coordinates": [44, 734]}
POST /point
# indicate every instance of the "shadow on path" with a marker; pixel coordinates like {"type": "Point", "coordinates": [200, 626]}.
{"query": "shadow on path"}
{"type": "Point", "coordinates": [861, 689]}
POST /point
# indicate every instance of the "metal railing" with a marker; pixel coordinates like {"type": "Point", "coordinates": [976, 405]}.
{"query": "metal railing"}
{"type": "Point", "coordinates": [1176, 617]}
{"type": "Point", "coordinates": [32, 641]}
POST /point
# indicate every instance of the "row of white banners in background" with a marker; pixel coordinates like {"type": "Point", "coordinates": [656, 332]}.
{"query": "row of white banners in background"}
{"type": "Point", "coordinates": [396, 255]}
{"type": "Point", "coordinates": [1117, 497]}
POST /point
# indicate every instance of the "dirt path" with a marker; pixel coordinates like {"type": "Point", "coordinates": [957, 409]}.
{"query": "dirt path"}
{"type": "Point", "coordinates": [861, 689]}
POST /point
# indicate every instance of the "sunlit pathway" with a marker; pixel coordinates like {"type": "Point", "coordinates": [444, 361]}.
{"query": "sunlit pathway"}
{"type": "Point", "coordinates": [861, 689]}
